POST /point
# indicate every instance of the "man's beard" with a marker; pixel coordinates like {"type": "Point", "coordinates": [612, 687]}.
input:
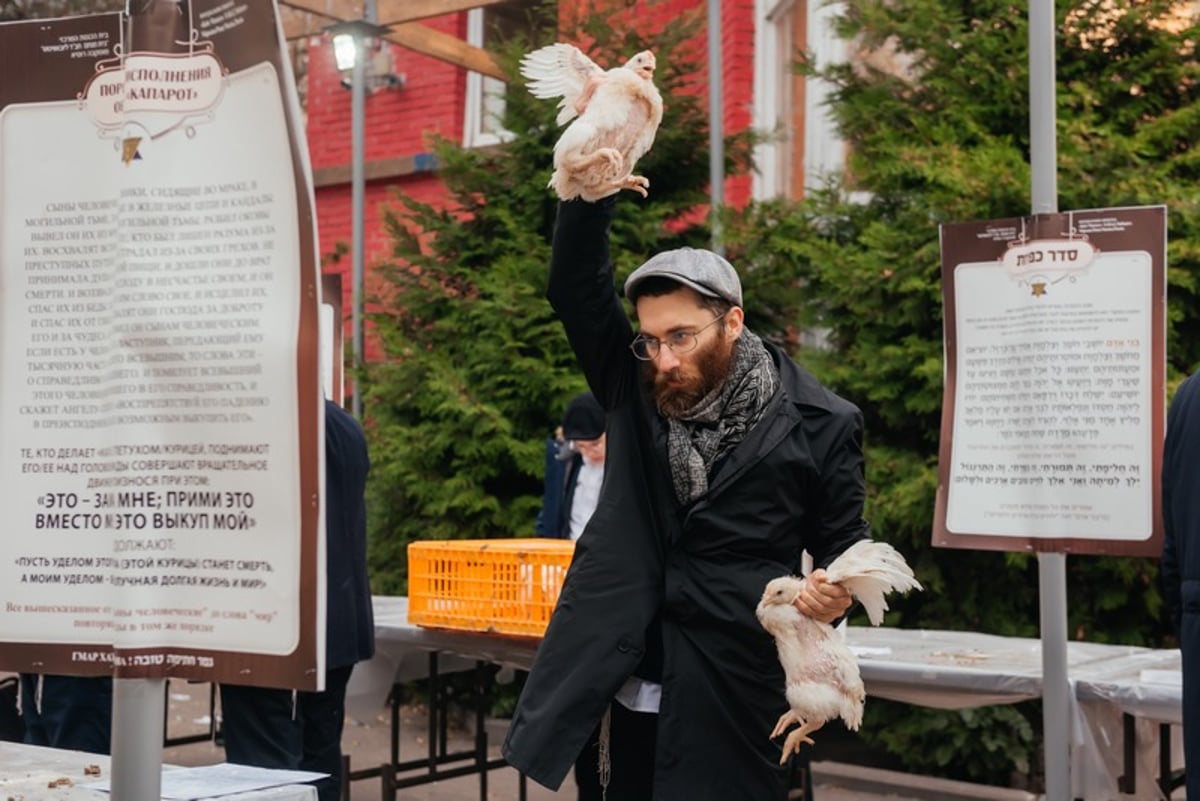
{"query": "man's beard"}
{"type": "Point", "coordinates": [711, 369]}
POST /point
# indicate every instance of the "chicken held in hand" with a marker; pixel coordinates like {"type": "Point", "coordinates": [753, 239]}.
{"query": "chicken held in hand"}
{"type": "Point", "coordinates": [614, 117]}
{"type": "Point", "coordinates": [822, 675]}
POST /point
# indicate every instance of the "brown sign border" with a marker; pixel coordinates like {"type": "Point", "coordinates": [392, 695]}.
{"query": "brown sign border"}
{"type": "Point", "coordinates": [964, 243]}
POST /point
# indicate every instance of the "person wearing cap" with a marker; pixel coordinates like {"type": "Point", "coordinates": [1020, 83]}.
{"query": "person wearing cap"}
{"type": "Point", "coordinates": [574, 470]}
{"type": "Point", "coordinates": [726, 460]}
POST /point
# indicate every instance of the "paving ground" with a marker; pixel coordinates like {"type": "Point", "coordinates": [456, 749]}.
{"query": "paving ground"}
{"type": "Point", "coordinates": [368, 742]}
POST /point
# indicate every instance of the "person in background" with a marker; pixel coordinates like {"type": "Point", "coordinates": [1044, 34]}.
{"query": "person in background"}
{"type": "Point", "coordinates": [72, 712]}
{"type": "Point", "coordinates": [1180, 570]}
{"type": "Point", "coordinates": [296, 730]}
{"type": "Point", "coordinates": [574, 470]}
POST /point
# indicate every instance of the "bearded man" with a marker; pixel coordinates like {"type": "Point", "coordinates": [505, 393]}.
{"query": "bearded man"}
{"type": "Point", "coordinates": [725, 461]}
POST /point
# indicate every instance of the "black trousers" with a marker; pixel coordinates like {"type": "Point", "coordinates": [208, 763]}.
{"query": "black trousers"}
{"type": "Point", "coordinates": [75, 712]}
{"type": "Point", "coordinates": [631, 749]}
{"type": "Point", "coordinates": [260, 730]}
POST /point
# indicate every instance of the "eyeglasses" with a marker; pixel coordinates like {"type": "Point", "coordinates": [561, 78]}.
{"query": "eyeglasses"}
{"type": "Point", "coordinates": [647, 348]}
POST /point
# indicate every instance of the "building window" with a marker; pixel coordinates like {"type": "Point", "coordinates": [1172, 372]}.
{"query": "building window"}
{"type": "Point", "coordinates": [824, 149]}
{"type": "Point", "coordinates": [799, 150]}
{"type": "Point", "coordinates": [487, 28]}
{"type": "Point", "coordinates": [773, 87]}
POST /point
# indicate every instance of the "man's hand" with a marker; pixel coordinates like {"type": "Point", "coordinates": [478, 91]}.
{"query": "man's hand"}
{"type": "Point", "coordinates": [822, 600]}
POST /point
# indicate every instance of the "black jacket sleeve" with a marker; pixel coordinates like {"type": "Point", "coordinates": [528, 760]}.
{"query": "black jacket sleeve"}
{"type": "Point", "coordinates": [843, 491]}
{"type": "Point", "coordinates": [582, 293]}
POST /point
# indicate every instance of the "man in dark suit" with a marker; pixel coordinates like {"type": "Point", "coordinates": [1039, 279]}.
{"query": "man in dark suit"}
{"type": "Point", "coordinates": [574, 469]}
{"type": "Point", "coordinates": [1181, 556]}
{"type": "Point", "coordinates": [273, 728]}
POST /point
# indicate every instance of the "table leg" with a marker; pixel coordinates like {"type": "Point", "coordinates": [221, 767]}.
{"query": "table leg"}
{"type": "Point", "coordinates": [434, 700]}
{"type": "Point", "coordinates": [481, 695]}
{"type": "Point", "coordinates": [1128, 781]}
{"type": "Point", "coordinates": [1164, 759]}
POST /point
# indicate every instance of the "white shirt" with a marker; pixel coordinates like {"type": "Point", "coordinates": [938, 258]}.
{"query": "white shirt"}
{"type": "Point", "coordinates": [639, 695]}
{"type": "Point", "coordinates": [587, 495]}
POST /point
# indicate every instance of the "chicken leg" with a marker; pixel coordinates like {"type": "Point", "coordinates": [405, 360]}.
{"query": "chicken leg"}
{"type": "Point", "coordinates": [637, 183]}
{"type": "Point", "coordinates": [792, 744]}
{"type": "Point", "coordinates": [578, 164]}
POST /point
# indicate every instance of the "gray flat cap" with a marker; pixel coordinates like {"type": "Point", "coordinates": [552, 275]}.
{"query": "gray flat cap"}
{"type": "Point", "coordinates": [702, 270]}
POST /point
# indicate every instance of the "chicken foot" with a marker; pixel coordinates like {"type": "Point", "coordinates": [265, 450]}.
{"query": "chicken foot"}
{"type": "Point", "coordinates": [792, 744]}
{"type": "Point", "coordinates": [637, 183]}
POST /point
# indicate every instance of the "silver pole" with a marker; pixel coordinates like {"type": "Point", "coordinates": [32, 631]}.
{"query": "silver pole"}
{"type": "Point", "coordinates": [1052, 567]}
{"type": "Point", "coordinates": [358, 96]}
{"type": "Point", "coordinates": [1043, 144]}
{"type": "Point", "coordinates": [716, 124]}
{"type": "Point", "coordinates": [1056, 688]}
{"type": "Point", "coordinates": [137, 738]}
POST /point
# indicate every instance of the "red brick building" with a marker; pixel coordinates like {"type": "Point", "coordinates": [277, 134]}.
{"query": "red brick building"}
{"type": "Point", "coordinates": [436, 93]}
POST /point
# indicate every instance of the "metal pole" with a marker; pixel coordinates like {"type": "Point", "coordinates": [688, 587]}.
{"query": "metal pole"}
{"type": "Point", "coordinates": [358, 95]}
{"type": "Point", "coordinates": [1056, 689]}
{"type": "Point", "coordinates": [1043, 144]}
{"type": "Point", "coordinates": [1052, 567]}
{"type": "Point", "coordinates": [139, 707]}
{"type": "Point", "coordinates": [716, 124]}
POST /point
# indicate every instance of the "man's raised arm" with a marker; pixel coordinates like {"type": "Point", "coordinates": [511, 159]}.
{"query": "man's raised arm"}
{"type": "Point", "coordinates": [581, 291]}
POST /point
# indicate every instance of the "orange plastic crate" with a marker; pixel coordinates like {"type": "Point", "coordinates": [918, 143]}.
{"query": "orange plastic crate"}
{"type": "Point", "coordinates": [501, 586]}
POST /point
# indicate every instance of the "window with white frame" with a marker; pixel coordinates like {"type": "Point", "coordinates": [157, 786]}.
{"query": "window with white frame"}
{"type": "Point", "coordinates": [486, 28]}
{"type": "Point", "coordinates": [824, 149]}
{"type": "Point", "coordinates": [773, 98]}
{"type": "Point", "coordinates": [819, 149]}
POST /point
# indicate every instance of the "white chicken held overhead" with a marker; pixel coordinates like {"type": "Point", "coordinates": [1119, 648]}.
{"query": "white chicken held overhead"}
{"type": "Point", "coordinates": [614, 116]}
{"type": "Point", "coordinates": [823, 682]}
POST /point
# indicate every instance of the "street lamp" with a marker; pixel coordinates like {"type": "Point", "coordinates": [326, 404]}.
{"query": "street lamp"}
{"type": "Point", "coordinates": [345, 50]}
{"type": "Point", "coordinates": [349, 46]}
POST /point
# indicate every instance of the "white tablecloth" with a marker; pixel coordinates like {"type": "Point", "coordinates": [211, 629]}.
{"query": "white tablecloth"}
{"type": "Point", "coordinates": [26, 772]}
{"type": "Point", "coordinates": [962, 669]}
{"type": "Point", "coordinates": [941, 669]}
{"type": "Point", "coordinates": [402, 654]}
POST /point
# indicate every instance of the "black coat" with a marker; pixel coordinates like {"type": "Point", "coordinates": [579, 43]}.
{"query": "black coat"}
{"type": "Point", "coordinates": [349, 618]}
{"type": "Point", "coordinates": [1181, 555]}
{"type": "Point", "coordinates": [667, 591]}
{"type": "Point", "coordinates": [554, 519]}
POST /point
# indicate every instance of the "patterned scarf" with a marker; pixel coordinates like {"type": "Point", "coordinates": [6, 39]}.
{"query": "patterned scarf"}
{"type": "Point", "coordinates": [720, 420]}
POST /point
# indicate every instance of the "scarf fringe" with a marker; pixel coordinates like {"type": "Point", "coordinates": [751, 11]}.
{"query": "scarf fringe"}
{"type": "Point", "coordinates": [604, 758]}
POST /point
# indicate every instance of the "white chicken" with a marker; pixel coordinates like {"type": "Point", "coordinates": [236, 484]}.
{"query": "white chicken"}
{"type": "Point", "coordinates": [823, 682]}
{"type": "Point", "coordinates": [616, 116]}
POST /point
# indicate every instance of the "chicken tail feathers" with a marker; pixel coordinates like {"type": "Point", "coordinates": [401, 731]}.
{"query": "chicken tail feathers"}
{"type": "Point", "coordinates": [871, 570]}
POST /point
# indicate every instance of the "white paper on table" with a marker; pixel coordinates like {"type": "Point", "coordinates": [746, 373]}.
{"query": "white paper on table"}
{"type": "Point", "coordinates": [868, 650]}
{"type": "Point", "coordinates": [1174, 677]}
{"type": "Point", "coordinates": [213, 781]}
